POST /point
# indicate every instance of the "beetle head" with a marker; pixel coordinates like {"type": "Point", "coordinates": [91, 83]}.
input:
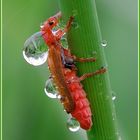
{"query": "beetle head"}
{"type": "Point", "coordinates": [52, 21]}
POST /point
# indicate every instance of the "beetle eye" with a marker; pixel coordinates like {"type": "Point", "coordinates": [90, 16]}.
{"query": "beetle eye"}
{"type": "Point", "coordinates": [51, 23]}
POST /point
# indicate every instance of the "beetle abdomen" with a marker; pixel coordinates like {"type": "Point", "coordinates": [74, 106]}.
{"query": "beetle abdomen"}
{"type": "Point", "coordinates": [82, 111]}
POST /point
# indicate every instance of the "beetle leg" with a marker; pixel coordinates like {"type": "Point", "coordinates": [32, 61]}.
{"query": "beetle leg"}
{"type": "Point", "coordinates": [100, 71]}
{"type": "Point", "coordinates": [60, 33]}
{"type": "Point", "coordinates": [66, 29]}
{"type": "Point", "coordinates": [91, 59]}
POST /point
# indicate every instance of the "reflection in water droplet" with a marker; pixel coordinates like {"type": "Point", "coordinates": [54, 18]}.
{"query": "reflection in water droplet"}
{"type": "Point", "coordinates": [104, 43]}
{"type": "Point", "coordinates": [50, 89]}
{"type": "Point", "coordinates": [35, 50]}
{"type": "Point", "coordinates": [113, 95]}
{"type": "Point", "coordinates": [59, 96]}
{"type": "Point", "coordinates": [73, 125]}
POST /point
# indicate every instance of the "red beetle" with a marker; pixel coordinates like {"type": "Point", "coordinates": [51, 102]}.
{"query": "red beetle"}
{"type": "Point", "coordinates": [61, 65]}
{"type": "Point", "coordinates": [63, 69]}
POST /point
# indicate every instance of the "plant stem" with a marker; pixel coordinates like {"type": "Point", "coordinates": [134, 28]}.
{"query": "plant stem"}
{"type": "Point", "coordinates": [85, 41]}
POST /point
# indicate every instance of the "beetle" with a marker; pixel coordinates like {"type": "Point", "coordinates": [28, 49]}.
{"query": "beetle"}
{"type": "Point", "coordinates": [64, 72]}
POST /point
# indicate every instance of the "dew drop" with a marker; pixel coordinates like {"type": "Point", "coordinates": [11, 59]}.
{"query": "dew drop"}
{"type": "Point", "coordinates": [64, 42]}
{"type": "Point", "coordinates": [74, 12]}
{"type": "Point", "coordinates": [35, 50]}
{"type": "Point", "coordinates": [41, 25]}
{"type": "Point", "coordinates": [73, 125]}
{"type": "Point", "coordinates": [104, 43]}
{"type": "Point", "coordinates": [50, 89]}
{"type": "Point", "coordinates": [94, 52]}
{"type": "Point", "coordinates": [60, 26]}
{"type": "Point", "coordinates": [113, 98]}
{"type": "Point", "coordinates": [113, 95]}
{"type": "Point", "coordinates": [75, 25]}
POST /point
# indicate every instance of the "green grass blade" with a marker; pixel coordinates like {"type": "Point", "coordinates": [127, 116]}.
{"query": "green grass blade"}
{"type": "Point", "coordinates": [85, 41]}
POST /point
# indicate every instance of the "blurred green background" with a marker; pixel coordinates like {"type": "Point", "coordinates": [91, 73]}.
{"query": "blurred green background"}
{"type": "Point", "coordinates": [28, 114]}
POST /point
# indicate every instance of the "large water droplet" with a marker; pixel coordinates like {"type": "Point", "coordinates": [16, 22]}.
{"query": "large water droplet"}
{"type": "Point", "coordinates": [35, 50]}
{"type": "Point", "coordinates": [104, 43]}
{"type": "Point", "coordinates": [50, 89]}
{"type": "Point", "coordinates": [73, 125]}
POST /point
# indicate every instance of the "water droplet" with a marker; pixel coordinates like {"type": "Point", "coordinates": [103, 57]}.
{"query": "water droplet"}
{"type": "Point", "coordinates": [75, 25]}
{"type": "Point", "coordinates": [113, 95]}
{"type": "Point", "coordinates": [104, 43]}
{"type": "Point", "coordinates": [41, 25]}
{"type": "Point", "coordinates": [35, 50]}
{"type": "Point", "coordinates": [94, 52]}
{"type": "Point", "coordinates": [50, 89]}
{"type": "Point", "coordinates": [60, 26]}
{"type": "Point", "coordinates": [64, 42]}
{"type": "Point", "coordinates": [73, 125]}
{"type": "Point", "coordinates": [74, 12]}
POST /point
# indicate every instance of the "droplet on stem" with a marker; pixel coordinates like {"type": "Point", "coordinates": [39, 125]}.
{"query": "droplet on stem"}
{"type": "Point", "coordinates": [35, 50]}
{"type": "Point", "coordinates": [74, 12]}
{"type": "Point", "coordinates": [113, 95]}
{"type": "Point", "coordinates": [50, 89]}
{"type": "Point", "coordinates": [64, 42]}
{"type": "Point", "coordinates": [73, 125]}
{"type": "Point", "coordinates": [75, 25]}
{"type": "Point", "coordinates": [104, 43]}
{"type": "Point", "coordinates": [94, 52]}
